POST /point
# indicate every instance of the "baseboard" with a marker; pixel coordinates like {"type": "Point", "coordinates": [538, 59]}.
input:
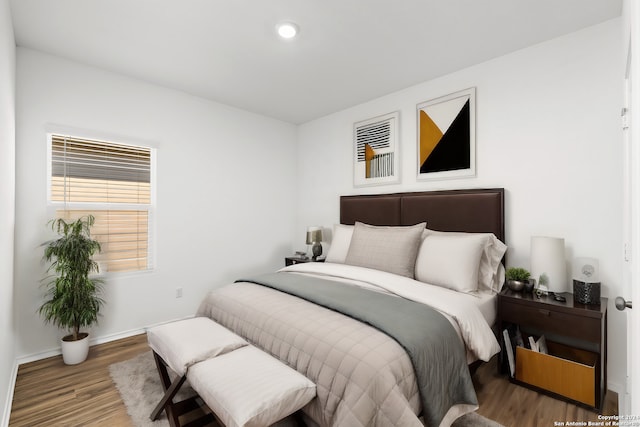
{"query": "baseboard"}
{"type": "Point", "coordinates": [58, 351]}
{"type": "Point", "coordinates": [94, 341]}
{"type": "Point", "coordinates": [9, 401]}
{"type": "Point", "coordinates": [115, 337]}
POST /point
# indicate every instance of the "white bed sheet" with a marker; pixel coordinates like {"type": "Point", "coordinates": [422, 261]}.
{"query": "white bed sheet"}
{"type": "Point", "coordinates": [470, 314]}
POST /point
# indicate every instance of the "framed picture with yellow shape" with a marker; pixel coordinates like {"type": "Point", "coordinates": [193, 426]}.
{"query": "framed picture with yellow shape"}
{"type": "Point", "coordinates": [376, 160]}
{"type": "Point", "coordinates": [447, 136]}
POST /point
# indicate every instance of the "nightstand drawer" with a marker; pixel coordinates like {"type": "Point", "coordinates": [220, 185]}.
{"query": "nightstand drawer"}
{"type": "Point", "coordinates": [543, 318]}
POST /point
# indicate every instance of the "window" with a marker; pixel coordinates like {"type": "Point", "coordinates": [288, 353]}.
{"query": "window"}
{"type": "Point", "coordinates": [112, 182]}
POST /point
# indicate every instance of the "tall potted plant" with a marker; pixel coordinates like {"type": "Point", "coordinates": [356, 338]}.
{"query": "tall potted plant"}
{"type": "Point", "coordinates": [72, 297]}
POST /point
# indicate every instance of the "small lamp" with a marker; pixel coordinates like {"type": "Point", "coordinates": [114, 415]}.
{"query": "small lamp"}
{"type": "Point", "coordinates": [314, 237]}
{"type": "Point", "coordinates": [548, 264]}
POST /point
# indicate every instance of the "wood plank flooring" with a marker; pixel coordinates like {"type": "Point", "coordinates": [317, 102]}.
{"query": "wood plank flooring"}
{"type": "Point", "coordinates": [49, 393]}
{"type": "Point", "coordinates": [514, 405]}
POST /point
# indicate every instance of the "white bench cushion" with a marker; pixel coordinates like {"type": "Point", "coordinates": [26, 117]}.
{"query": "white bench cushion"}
{"type": "Point", "coordinates": [186, 342]}
{"type": "Point", "coordinates": [249, 388]}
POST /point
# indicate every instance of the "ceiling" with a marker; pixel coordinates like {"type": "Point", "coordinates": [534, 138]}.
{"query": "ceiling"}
{"type": "Point", "coordinates": [347, 51]}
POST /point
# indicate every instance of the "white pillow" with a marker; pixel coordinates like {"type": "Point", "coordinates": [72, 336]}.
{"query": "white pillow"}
{"type": "Point", "coordinates": [184, 343]}
{"type": "Point", "coordinates": [391, 249]}
{"type": "Point", "coordinates": [248, 387]}
{"type": "Point", "coordinates": [451, 261]}
{"type": "Point", "coordinates": [498, 278]}
{"type": "Point", "coordinates": [491, 269]}
{"type": "Point", "coordinates": [340, 242]}
{"type": "Point", "coordinates": [490, 276]}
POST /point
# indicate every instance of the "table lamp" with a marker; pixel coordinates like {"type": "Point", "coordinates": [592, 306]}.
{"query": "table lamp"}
{"type": "Point", "coordinates": [548, 264]}
{"type": "Point", "coordinates": [314, 237]}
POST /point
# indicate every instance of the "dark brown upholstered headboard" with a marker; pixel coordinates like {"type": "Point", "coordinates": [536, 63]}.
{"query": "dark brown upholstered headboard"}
{"type": "Point", "coordinates": [475, 210]}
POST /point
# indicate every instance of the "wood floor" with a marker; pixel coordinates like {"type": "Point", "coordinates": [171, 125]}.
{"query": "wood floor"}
{"type": "Point", "coordinates": [49, 393]}
{"type": "Point", "coordinates": [514, 405]}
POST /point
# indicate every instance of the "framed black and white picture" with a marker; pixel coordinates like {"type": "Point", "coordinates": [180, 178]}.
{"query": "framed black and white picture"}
{"type": "Point", "coordinates": [447, 136]}
{"type": "Point", "coordinates": [376, 160]}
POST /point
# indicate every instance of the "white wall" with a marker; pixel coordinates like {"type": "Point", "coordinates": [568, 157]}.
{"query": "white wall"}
{"type": "Point", "coordinates": [224, 202]}
{"type": "Point", "coordinates": [7, 204]}
{"type": "Point", "coordinates": [548, 131]}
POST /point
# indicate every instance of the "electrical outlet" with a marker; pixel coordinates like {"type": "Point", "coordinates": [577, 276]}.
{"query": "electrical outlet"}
{"type": "Point", "coordinates": [178, 292]}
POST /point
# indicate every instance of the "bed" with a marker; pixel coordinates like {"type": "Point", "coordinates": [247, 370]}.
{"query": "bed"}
{"type": "Point", "coordinates": [387, 326]}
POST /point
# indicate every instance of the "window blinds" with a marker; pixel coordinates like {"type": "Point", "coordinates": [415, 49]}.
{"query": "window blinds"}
{"type": "Point", "coordinates": [112, 182]}
{"type": "Point", "coordinates": [99, 172]}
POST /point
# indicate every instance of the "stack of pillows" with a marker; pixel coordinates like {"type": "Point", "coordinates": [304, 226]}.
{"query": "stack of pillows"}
{"type": "Point", "coordinates": [464, 262]}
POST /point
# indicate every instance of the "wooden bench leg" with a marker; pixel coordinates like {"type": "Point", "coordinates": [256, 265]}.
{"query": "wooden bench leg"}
{"type": "Point", "coordinates": [170, 391]}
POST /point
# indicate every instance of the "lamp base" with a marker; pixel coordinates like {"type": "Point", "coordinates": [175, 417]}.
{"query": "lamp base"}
{"type": "Point", "coordinates": [316, 249]}
{"type": "Point", "coordinates": [586, 293]}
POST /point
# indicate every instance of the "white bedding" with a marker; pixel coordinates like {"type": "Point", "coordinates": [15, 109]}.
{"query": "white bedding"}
{"type": "Point", "coordinates": [470, 315]}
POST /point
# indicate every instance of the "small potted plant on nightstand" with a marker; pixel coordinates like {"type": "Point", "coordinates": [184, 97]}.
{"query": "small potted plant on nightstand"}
{"type": "Point", "coordinates": [518, 279]}
{"type": "Point", "coordinates": [72, 300]}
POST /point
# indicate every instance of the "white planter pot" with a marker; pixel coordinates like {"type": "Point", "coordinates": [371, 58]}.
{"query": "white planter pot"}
{"type": "Point", "coordinates": [74, 352]}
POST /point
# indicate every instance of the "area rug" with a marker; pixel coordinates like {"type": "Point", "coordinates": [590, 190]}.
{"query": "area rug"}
{"type": "Point", "coordinates": [139, 385]}
{"type": "Point", "coordinates": [138, 382]}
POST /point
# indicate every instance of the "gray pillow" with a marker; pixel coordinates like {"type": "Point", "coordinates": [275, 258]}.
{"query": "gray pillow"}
{"type": "Point", "coordinates": [391, 249]}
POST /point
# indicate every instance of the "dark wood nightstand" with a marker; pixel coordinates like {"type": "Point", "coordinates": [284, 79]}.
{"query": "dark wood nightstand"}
{"type": "Point", "coordinates": [290, 260]}
{"type": "Point", "coordinates": [579, 329]}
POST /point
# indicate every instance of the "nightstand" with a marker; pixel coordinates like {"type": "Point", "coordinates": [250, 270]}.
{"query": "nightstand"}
{"type": "Point", "coordinates": [576, 367]}
{"type": "Point", "coordinates": [290, 260]}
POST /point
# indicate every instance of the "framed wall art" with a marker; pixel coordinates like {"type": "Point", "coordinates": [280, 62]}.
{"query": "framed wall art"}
{"type": "Point", "coordinates": [447, 136]}
{"type": "Point", "coordinates": [376, 159]}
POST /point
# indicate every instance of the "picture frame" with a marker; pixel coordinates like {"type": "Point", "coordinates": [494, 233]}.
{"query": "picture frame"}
{"type": "Point", "coordinates": [446, 136]}
{"type": "Point", "coordinates": [376, 155]}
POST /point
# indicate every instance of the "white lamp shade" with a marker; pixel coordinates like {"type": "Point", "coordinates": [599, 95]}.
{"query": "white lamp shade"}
{"type": "Point", "coordinates": [548, 262]}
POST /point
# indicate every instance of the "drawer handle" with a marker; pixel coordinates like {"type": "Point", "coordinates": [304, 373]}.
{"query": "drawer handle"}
{"type": "Point", "coordinates": [544, 312]}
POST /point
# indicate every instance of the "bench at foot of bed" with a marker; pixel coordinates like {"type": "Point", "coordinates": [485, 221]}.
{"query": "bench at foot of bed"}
{"type": "Point", "coordinates": [240, 384]}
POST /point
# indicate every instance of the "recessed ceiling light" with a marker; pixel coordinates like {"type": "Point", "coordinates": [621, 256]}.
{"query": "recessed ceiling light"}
{"type": "Point", "coordinates": [287, 30]}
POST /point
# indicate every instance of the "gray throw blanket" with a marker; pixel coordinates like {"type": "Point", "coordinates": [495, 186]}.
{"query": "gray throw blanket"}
{"type": "Point", "coordinates": [436, 352]}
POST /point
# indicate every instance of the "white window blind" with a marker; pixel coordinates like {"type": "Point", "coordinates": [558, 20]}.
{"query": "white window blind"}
{"type": "Point", "coordinates": [112, 182]}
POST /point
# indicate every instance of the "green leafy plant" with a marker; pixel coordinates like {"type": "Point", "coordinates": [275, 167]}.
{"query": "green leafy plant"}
{"type": "Point", "coordinates": [518, 274]}
{"type": "Point", "coordinates": [72, 297]}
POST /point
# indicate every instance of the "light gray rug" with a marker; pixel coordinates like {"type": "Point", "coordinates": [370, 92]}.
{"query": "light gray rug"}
{"type": "Point", "coordinates": [138, 382]}
{"type": "Point", "coordinates": [139, 385]}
